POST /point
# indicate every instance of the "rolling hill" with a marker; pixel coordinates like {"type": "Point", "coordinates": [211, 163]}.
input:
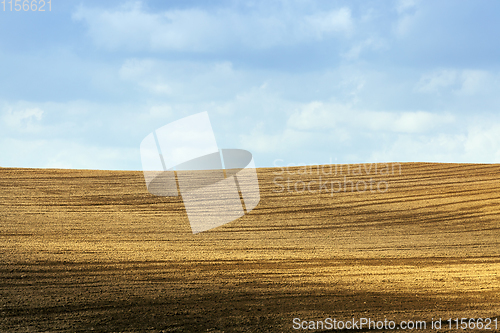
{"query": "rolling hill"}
{"type": "Point", "coordinates": [84, 249]}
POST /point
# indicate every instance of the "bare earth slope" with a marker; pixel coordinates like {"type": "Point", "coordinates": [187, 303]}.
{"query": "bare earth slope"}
{"type": "Point", "coordinates": [82, 250]}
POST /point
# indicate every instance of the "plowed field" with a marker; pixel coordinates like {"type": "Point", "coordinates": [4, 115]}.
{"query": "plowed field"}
{"type": "Point", "coordinates": [88, 250]}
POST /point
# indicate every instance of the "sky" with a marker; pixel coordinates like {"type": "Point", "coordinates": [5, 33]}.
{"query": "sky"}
{"type": "Point", "coordinates": [294, 82]}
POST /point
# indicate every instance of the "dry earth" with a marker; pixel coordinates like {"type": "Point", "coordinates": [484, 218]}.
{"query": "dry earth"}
{"type": "Point", "coordinates": [93, 250]}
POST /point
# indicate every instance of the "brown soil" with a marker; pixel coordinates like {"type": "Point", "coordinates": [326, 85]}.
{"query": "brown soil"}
{"type": "Point", "coordinates": [93, 250]}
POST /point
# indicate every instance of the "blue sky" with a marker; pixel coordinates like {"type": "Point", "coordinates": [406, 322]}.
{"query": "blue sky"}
{"type": "Point", "coordinates": [303, 82]}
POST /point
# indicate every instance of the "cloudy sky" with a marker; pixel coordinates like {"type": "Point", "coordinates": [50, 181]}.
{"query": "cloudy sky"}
{"type": "Point", "coordinates": [304, 82]}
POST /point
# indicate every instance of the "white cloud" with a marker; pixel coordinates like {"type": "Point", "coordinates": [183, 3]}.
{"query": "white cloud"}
{"type": "Point", "coordinates": [324, 23]}
{"type": "Point", "coordinates": [405, 5]}
{"type": "Point", "coordinates": [258, 141]}
{"type": "Point", "coordinates": [483, 143]}
{"type": "Point", "coordinates": [460, 82]}
{"type": "Point", "coordinates": [417, 122]}
{"type": "Point", "coordinates": [23, 119]}
{"type": "Point", "coordinates": [148, 74]}
{"type": "Point", "coordinates": [321, 116]}
{"type": "Point", "coordinates": [401, 138]}
{"type": "Point", "coordinates": [408, 16]}
{"type": "Point", "coordinates": [161, 110]}
{"type": "Point", "coordinates": [181, 79]}
{"type": "Point", "coordinates": [132, 27]}
{"type": "Point", "coordinates": [474, 81]}
{"type": "Point", "coordinates": [78, 134]}
{"type": "Point", "coordinates": [475, 144]}
{"type": "Point", "coordinates": [65, 154]}
{"type": "Point", "coordinates": [436, 80]}
{"type": "Point", "coordinates": [317, 115]}
{"type": "Point", "coordinates": [359, 47]}
{"type": "Point", "coordinates": [430, 148]}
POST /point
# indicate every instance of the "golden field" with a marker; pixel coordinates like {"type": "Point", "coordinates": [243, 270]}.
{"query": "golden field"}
{"type": "Point", "coordinates": [93, 250]}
